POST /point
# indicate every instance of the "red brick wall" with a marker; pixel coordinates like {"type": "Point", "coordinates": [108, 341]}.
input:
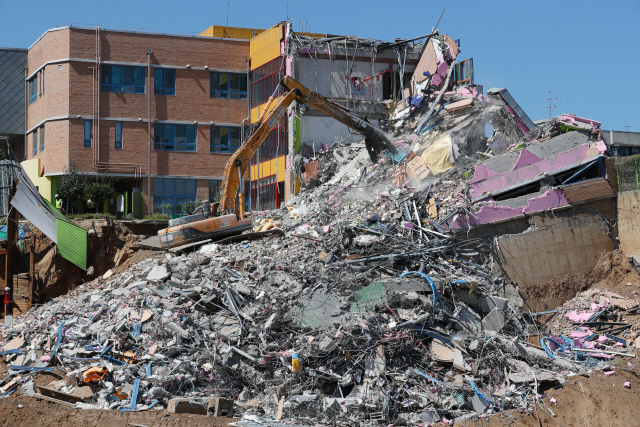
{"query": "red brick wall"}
{"type": "Point", "coordinates": [587, 190]}
{"type": "Point", "coordinates": [167, 49]}
{"type": "Point", "coordinates": [55, 101]}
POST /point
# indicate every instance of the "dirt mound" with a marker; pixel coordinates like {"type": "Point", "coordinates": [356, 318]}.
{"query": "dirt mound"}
{"type": "Point", "coordinates": [590, 401]}
{"type": "Point", "coordinates": [612, 271]}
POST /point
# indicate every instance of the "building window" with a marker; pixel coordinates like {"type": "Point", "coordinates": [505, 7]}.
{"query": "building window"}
{"type": "Point", "coordinates": [41, 138]}
{"type": "Point", "coordinates": [215, 190]}
{"type": "Point", "coordinates": [118, 78]}
{"type": "Point", "coordinates": [35, 142]}
{"type": "Point", "coordinates": [275, 144]}
{"type": "Point", "coordinates": [42, 81]}
{"type": "Point", "coordinates": [265, 193]}
{"type": "Point", "coordinates": [118, 134]}
{"type": "Point", "coordinates": [264, 81]}
{"type": "Point", "coordinates": [164, 81]}
{"type": "Point", "coordinates": [224, 139]}
{"type": "Point", "coordinates": [87, 133]}
{"type": "Point", "coordinates": [463, 72]}
{"type": "Point", "coordinates": [33, 89]}
{"type": "Point", "coordinates": [170, 137]}
{"type": "Point", "coordinates": [170, 195]}
{"type": "Point", "coordinates": [228, 85]}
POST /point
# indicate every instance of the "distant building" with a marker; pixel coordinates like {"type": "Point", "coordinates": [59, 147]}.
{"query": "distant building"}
{"type": "Point", "coordinates": [13, 63]}
{"type": "Point", "coordinates": [622, 143]}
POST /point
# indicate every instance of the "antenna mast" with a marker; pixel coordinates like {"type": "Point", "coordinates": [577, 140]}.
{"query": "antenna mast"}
{"type": "Point", "coordinates": [550, 107]}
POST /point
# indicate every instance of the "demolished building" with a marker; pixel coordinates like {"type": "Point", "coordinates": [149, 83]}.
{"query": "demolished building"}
{"type": "Point", "coordinates": [390, 295]}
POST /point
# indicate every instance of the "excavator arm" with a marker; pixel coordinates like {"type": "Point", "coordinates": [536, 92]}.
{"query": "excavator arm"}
{"type": "Point", "coordinates": [238, 162]}
{"type": "Point", "coordinates": [232, 196]}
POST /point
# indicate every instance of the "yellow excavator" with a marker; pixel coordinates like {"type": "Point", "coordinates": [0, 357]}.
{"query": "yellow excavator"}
{"type": "Point", "coordinates": [227, 217]}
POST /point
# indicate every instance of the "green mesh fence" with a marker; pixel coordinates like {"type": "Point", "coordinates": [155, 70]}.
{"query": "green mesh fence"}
{"type": "Point", "coordinates": [628, 173]}
{"type": "Point", "coordinates": [72, 239]}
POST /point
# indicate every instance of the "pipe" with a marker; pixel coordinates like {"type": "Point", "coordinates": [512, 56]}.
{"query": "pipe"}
{"type": "Point", "coordinates": [95, 137]}
{"type": "Point", "coordinates": [149, 52]}
{"type": "Point", "coordinates": [26, 102]}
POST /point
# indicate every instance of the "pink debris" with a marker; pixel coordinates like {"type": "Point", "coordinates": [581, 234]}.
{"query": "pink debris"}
{"type": "Point", "coordinates": [45, 358]}
{"type": "Point", "coordinates": [553, 400]}
{"type": "Point", "coordinates": [582, 317]}
{"type": "Point", "coordinates": [580, 334]}
{"type": "Point", "coordinates": [630, 365]}
{"type": "Point", "coordinates": [326, 229]}
{"type": "Point", "coordinates": [609, 373]}
{"type": "Point", "coordinates": [602, 338]}
{"type": "Point", "coordinates": [627, 384]}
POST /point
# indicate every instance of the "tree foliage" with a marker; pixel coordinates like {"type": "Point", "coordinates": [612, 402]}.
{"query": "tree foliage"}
{"type": "Point", "coordinates": [100, 188]}
{"type": "Point", "coordinates": [71, 185]}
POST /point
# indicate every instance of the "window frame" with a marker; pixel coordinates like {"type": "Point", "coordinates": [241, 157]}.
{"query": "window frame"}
{"type": "Point", "coordinates": [172, 145]}
{"type": "Point", "coordinates": [217, 148]}
{"type": "Point", "coordinates": [35, 142]}
{"type": "Point", "coordinates": [116, 142]}
{"type": "Point", "coordinates": [41, 138]}
{"type": "Point", "coordinates": [121, 87]}
{"type": "Point", "coordinates": [229, 91]}
{"type": "Point", "coordinates": [90, 126]}
{"type": "Point", "coordinates": [163, 89]}
{"type": "Point", "coordinates": [264, 81]}
{"type": "Point", "coordinates": [33, 89]}
{"type": "Point", "coordinates": [174, 196]}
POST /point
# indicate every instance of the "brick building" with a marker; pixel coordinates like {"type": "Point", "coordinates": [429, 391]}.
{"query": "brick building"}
{"type": "Point", "coordinates": [91, 91]}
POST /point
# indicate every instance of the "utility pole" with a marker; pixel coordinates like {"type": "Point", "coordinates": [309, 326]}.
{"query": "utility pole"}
{"type": "Point", "coordinates": [227, 13]}
{"type": "Point", "coordinates": [550, 107]}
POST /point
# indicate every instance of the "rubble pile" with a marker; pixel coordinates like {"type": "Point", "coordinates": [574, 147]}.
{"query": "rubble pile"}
{"type": "Point", "coordinates": [366, 311]}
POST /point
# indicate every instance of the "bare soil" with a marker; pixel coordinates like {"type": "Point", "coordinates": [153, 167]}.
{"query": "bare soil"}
{"type": "Point", "coordinates": [582, 401]}
{"type": "Point", "coordinates": [612, 272]}
{"type": "Point", "coordinates": [42, 413]}
{"type": "Point", "coordinates": [55, 275]}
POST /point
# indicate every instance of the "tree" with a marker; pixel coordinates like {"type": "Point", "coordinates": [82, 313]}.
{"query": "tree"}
{"type": "Point", "coordinates": [100, 188]}
{"type": "Point", "coordinates": [71, 185]}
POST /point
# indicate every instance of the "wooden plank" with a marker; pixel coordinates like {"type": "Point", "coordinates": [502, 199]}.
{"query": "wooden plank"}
{"type": "Point", "coordinates": [52, 400]}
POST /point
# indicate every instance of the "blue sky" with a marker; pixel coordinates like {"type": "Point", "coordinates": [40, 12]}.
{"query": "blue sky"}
{"type": "Point", "coordinates": [585, 52]}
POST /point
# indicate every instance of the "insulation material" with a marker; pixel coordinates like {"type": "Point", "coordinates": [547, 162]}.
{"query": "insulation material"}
{"type": "Point", "coordinates": [438, 155]}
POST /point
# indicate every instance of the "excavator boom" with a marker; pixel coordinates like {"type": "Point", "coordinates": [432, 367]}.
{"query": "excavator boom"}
{"type": "Point", "coordinates": [375, 138]}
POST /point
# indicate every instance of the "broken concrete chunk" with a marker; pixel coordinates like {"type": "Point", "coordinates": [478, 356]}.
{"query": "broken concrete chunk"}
{"type": "Point", "coordinates": [493, 321]}
{"type": "Point", "coordinates": [186, 406]}
{"type": "Point", "coordinates": [219, 406]}
{"type": "Point", "coordinates": [158, 274]}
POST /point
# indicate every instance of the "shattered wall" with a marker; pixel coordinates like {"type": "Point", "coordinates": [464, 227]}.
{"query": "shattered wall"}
{"type": "Point", "coordinates": [554, 246]}
{"type": "Point", "coordinates": [629, 223]}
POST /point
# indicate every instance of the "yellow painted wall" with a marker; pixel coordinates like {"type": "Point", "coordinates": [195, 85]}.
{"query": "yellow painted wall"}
{"type": "Point", "coordinates": [237, 33]}
{"type": "Point", "coordinates": [268, 168]}
{"type": "Point", "coordinates": [265, 47]}
{"type": "Point", "coordinates": [45, 184]}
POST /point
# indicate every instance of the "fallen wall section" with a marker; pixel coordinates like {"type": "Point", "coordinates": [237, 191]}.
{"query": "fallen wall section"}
{"type": "Point", "coordinates": [629, 223]}
{"type": "Point", "coordinates": [553, 247]}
